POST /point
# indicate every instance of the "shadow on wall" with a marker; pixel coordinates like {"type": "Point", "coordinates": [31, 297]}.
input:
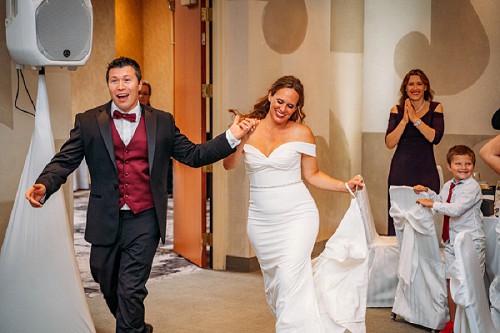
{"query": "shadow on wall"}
{"type": "Point", "coordinates": [334, 160]}
{"type": "Point", "coordinates": [447, 70]}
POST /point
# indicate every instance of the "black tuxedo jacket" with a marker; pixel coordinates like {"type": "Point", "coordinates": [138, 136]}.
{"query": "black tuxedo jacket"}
{"type": "Point", "coordinates": [91, 138]}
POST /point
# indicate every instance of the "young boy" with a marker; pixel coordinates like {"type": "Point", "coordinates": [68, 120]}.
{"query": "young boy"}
{"type": "Point", "coordinates": [460, 202]}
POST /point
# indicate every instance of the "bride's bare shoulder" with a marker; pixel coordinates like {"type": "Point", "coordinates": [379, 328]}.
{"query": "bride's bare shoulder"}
{"type": "Point", "coordinates": [302, 132]}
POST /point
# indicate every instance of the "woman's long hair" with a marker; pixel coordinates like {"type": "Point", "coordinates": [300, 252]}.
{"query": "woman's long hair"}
{"type": "Point", "coordinates": [261, 108]}
{"type": "Point", "coordinates": [428, 93]}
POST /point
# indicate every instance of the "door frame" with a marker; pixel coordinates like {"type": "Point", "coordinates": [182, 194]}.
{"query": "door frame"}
{"type": "Point", "coordinates": [190, 113]}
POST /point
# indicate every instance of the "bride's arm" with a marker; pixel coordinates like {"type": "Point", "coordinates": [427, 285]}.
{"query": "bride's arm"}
{"type": "Point", "coordinates": [233, 160]}
{"type": "Point", "coordinates": [248, 125]}
{"type": "Point", "coordinates": [319, 179]}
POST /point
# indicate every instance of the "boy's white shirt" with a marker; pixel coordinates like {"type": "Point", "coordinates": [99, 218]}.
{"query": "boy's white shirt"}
{"type": "Point", "coordinates": [464, 208]}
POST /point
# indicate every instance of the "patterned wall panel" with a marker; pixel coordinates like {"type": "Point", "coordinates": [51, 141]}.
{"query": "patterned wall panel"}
{"type": "Point", "coordinates": [284, 23]}
{"type": "Point", "coordinates": [456, 54]}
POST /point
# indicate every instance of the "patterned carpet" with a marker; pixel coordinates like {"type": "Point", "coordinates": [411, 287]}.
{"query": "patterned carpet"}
{"type": "Point", "coordinates": [165, 264]}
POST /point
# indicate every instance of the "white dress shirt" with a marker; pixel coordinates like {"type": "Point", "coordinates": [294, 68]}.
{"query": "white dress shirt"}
{"type": "Point", "coordinates": [464, 208]}
{"type": "Point", "coordinates": [126, 130]}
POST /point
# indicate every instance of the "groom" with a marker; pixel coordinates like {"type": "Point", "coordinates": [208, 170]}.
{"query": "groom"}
{"type": "Point", "coordinates": [127, 147]}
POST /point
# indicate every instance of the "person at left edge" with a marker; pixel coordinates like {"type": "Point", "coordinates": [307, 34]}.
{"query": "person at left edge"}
{"type": "Point", "coordinates": [128, 162]}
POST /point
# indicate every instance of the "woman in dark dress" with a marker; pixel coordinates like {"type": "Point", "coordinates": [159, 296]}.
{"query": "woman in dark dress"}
{"type": "Point", "coordinates": [415, 125]}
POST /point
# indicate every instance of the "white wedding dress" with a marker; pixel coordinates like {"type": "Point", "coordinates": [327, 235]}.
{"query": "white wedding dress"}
{"type": "Point", "coordinates": [283, 224]}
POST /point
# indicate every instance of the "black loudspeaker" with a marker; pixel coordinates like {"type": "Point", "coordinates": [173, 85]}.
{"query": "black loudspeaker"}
{"type": "Point", "coordinates": [49, 32]}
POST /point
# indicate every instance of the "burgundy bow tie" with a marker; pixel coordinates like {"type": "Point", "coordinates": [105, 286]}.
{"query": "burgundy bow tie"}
{"type": "Point", "coordinates": [127, 116]}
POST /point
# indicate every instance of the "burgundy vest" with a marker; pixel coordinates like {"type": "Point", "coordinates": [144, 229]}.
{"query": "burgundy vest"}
{"type": "Point", "coordinates": [133, 169]}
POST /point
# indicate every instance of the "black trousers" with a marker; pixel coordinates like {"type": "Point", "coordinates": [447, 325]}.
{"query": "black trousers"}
{"type": "Point", "coordinates": [122, 269]}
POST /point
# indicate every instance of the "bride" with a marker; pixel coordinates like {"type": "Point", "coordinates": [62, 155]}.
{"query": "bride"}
{"type": "Point", "coordinates": [283, 219]}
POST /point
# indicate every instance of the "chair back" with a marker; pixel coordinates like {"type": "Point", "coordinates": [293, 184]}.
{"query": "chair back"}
{"type": "Point", "coordinates": [383, 257]}
{"type": "Point", "coordinates": [467, 289]}
{"type": "Point", "coordinates": [441, 178]}
{"type": "Point", "coordinates": [367, 216]}
{"type": "Point", "coordinates": [495, 286]}
{"type": "Point", "coordinates": [421, 296]}
{"type": "Point", "coordinates": [439, 218]}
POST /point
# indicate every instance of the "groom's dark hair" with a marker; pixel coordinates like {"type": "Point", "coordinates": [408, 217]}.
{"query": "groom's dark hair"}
{"type": "Point", "coordinates": [122, 62]}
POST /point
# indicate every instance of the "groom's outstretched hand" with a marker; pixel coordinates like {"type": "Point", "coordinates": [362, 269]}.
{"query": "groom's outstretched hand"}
{"type": "Point", "coordinates": [241, 128]}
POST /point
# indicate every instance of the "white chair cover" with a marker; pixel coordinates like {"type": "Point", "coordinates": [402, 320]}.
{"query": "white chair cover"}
{"type": "Point", "coordinates": [421, 296]}
{"type": "Point", "coordinates": [439, 218]}
{"type": "Point", "coordinates": [383, 258]}
{"type": "Point", "coordinates": [441, 178]}
{"type": "Point", "coordinates": [40, 286]}
{"type": "Point", "coordinates": [495, 285]}
{"type": "Point", "coordinates": [467, 289]}
{"type": "Point", "coordinates": [340, 276]}
{"type": "Point", "coordinates": [495, 302]}
{"type": "Point", "coordinates": [492, 251]}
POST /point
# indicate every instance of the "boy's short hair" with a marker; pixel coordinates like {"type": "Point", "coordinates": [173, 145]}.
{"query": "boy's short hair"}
{"type": "Point", "coordinates": [460, 150]}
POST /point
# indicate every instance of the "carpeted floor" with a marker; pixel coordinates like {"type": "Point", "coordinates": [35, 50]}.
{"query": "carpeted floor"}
{"type": "Point", "coordinates": [210, 301]}
{"type": "Point", "coordinates": [203, 302]}
{"type": "Point", "coordinates": [166, 263]}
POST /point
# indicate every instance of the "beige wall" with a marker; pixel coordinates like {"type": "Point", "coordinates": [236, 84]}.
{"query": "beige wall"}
{"type": "Point", "coordinates": [144, 32]}
{"type": "Point", "coordinates": [351, 78]}
{"type": "Point", "coordinates": [73, 92]}
{"type": "Point", "coordinates": [158, 54]}
{"type": "Point", "coordinates": [132, 32]}
{"type": "Point", "coordinates": [350, 60]}
{"type": "Point", "coordinates": [17, 135]}
{"type": "Point", "coordinates": [248, 58]}
{"type": "Point", "coordinates": [89, 87]}
{"type": "Point", "coordinates": [462, 62]}
{"type": "Point", "coordinates": [68, 93]}
{"type": "Point", "coordinates": [129, 30]}
{"type": "Point", "coordinates": [6, 117]}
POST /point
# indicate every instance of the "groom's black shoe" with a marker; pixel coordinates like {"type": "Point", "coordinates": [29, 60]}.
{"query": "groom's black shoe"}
{"type": "Point", "coordinates": [149, 328]}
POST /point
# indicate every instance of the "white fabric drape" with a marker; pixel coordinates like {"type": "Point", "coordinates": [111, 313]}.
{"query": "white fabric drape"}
{"type": "Point", "coordinates": [341, 276]}
{"type": "Point", "coordinates": [421, 296]}
{"type": "Point", "coordinates": [81, 178]}
{"type": "Point", "coordinates": [409, 223]}
{"type": "Point", "coordinates": [495, 285]}
{"type": "Point", "coordinates": [40, 286]}
{"type": "Point", "coordinates": [467, 289]}
{"type": "Point", "coordinates": [383, 258]}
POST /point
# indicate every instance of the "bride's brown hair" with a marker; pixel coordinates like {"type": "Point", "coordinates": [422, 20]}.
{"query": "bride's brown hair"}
{"type": "Point", "coordinates": [261, 108]}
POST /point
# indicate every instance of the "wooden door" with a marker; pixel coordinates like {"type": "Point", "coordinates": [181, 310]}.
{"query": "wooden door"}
{"type": "Point", "coordinates": [190, 115]}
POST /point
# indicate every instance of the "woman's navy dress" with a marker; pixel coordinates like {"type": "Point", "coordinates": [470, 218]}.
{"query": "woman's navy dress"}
{"type": "Point", "coordinates": [413, 162]}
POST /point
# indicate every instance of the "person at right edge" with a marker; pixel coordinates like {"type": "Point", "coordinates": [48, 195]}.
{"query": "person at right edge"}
{"type": "Point", "coordinates": [416, 124]}
{"type": "Point", "coordinates": [490, 152]}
